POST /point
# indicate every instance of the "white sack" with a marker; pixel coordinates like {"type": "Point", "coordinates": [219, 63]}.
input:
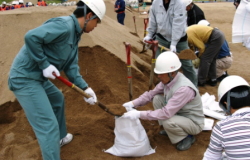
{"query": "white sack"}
{"type": "Point", "coordinates": [208, 124]}
{"type": "Point", "coordinates": [213, 114]}
{"type": "Point", "coordinates": [131, 139]}
{"type": "Point", "coordinates": [241, 23]}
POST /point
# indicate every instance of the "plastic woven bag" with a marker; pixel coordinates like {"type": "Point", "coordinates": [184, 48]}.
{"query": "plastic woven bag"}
{"type": "Point", "coordinates": [131, 139]}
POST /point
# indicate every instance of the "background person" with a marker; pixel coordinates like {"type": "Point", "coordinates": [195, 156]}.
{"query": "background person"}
{"type": "Point", "coordinates": [194, 13]}
{"type": "Point", "coordinates": [168, 21]}
{"type": "Point", "coordinates": [51, 48]}
{"type": "Point", "coordinates": [176, 101]}
{"type": "Point", "coordinates": [120, 10]}
{"type": "Point", "coordinates": [224, 59]}
{"type": "Point", "coordinates": [208, 42]}
{"type": "Point", "coordinates": [231, 135]}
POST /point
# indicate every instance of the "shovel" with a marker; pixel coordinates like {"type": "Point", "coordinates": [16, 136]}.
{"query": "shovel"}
{"type": "Point", "coordinates": [145, 33]}
{"type": "Point", "coordinates": [128, 48]}
{"type": "Point", "coordinates": [154, 49]}
{"type": "Point", "coordinates": [187, 54]}
{"type": "Point", "coordinates": [79, 90]}
{"type": "Point", "coordinates": [135, 25]}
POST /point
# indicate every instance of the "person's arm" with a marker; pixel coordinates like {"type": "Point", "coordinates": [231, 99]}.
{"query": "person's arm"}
{"type": "Point", "coordinates": [180, 98]}
{"type": "Point", "coordinates": [51, 32]}
{"type": "Point", "coordinates": [179, 23]}
{"type": "Point", "coordinates": [152, 25]}
{"type": "Point", "coordinates": [214, 150]}
{"type": "Point", "coordinates": [121, 6]}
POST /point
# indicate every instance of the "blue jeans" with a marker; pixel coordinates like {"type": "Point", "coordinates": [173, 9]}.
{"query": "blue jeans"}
{"type": "Point", "coordinates": [120, 18]}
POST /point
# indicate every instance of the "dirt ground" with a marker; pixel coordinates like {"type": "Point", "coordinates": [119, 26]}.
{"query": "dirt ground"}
{"type": "Point", "coordinates": [102, 59]}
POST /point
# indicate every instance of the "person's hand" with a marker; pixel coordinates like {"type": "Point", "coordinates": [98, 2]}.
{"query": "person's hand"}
{"type": "Point", "coordinates": [93, 99]}
{"type": "Point", "coordinates": [128, 105]}
{"type": "Point", "coordinates": [133, 115]}
{"type": "Point", "coordinates": [147, 38]}
{"type": "Point", "coordinates": [196, 62]}
{"type": "Point", "coordinates": [48, 72]}
{"type": "Point", "coordinates": [172, 48]}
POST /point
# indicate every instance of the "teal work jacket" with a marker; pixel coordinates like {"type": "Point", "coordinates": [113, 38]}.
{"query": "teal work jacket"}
{"type": "Point", "coordinates": [54, 42]}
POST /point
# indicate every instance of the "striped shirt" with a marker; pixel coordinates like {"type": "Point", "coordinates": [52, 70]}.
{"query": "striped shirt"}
{"type": "Point", "coordinates": [231, 136]}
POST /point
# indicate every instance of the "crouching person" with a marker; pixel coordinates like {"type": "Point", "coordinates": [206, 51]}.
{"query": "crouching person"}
{"type": "Point", "coordinates": [231, 135]}
{"type": "Point", "coordinates": [177, 103]}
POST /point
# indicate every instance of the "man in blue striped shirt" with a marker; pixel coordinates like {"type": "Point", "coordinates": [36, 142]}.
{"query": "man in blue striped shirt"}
{"type": "Point", "coordinates": [232, 135]}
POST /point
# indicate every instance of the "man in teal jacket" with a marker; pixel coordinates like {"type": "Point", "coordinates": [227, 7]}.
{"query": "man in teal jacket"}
{"type": "Point", "coordinates": [51, 48]}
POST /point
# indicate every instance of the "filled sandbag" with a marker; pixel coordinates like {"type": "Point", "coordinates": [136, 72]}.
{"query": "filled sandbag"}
{"type": "Point", "coordinates": [131, 139]}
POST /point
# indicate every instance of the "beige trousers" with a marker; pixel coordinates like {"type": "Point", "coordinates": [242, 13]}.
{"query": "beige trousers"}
{"type": "Point", "coordinates": [222, 65]}
{"type": "Point", "coordinates": [177, 127]}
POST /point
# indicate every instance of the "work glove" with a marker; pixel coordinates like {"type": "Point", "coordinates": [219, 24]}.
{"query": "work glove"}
{"type": "Point", "coordinates": [196, 62]}
{"type": "Point", "coordinates": [147, 38]}
{"type": "Point", "coordinates": [128, 105]}
{"type": "Point", "coordinates": [93, 99]}
{"type": "Point", "coordinates": [133, 115]}
{"type": "Point", "coordinates": [48, 72]}
{"type": "Point", "coordinates": [172, 48]}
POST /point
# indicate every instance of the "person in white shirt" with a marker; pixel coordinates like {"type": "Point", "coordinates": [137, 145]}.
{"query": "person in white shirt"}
{"type": "Point", "coordinates": [231, 135]}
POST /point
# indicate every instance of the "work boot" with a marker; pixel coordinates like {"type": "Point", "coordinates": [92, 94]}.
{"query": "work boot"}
{"type": "Point", "coordinates": [163, 132]}
{"type": "Point", "coordinates": [201, 84]}
{"type": "Point", "coordinates": [68, 138]}
{"type": "Point", "coordinates": [186, 143]}
{"type": "Point", "coordinates": [222, 77]}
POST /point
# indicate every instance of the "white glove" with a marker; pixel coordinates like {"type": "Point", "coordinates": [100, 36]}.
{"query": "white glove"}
{"type": "Point", "coordinates": [129, 105]}
{"type": "Point", "coordinates": [172, 48]}
{"type": "Point", "coordinates": [48, 72]}
{"type": "Point", "coordinates": [147, 38]}
{"type": "Point", "coordinates": [93, 99]}
{"type": "Point", "coordinates": [133, 115]}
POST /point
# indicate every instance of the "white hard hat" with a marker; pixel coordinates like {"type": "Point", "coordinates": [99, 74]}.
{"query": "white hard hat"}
{"type": "Point", "coordinates": [227, 84]}
{"type": "Point", "coordinates": [187, 2]}
{"type": "Point", "coordinates": [97, 6]}
{"type": "Point", "coordinates": [30, 4]}
{"type": "Point", "coordinates": [20, 1]}
{"type": "Point", "coordinates": [204, 23]}
{"type": "Point", "coordinates": [3, 2]}
{"type": "Point", "coordinates": [167, 62]}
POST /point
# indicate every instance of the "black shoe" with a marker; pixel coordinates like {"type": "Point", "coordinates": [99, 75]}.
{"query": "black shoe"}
{"type": "Point", "coordinates": [212, 83]}
{"type": "Point", "coordinates": [186, 143]}
{"type": "Point", "coordinates": [163, 132]}
{"type": "Point", "coordinates": [201, 84]}
{"type": "Point", "coordinates": [222, 77]}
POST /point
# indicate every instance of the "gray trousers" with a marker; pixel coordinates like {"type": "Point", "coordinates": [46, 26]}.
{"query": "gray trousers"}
{"type": "Point", "coordinates": [207, 67]}
{"type": "Point", "coordinates": [43, 104]}
{"type": "Point", "coordinates": [177, 127]}
{"type": "Point", "coordinates": [186, 65]}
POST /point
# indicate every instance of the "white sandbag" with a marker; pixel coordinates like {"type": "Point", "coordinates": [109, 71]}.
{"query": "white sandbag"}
{"type": "Point", "coordinates": [213, 114]}
{"type": "Point", "coordinates": [208, 124]}
{"type": "Point", "coordinates": [131, 139]}
{"type": "Point", "coordinates": [241, 23]}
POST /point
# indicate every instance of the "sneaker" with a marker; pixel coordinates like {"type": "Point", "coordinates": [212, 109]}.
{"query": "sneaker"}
{"type": "Point", "coordinates": [186, 143]}
{"type": "Point", "coordinates": [163, 132]}
{"type": "Point", "coordinates": [68, 138]}
{"type": "Point", "coordinates": [212, 83]}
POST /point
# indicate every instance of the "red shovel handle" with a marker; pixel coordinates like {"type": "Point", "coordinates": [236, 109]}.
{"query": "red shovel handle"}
{"type": "Point", "coordinates": [128, 48]}
{"type": "Point", "coordinates": [145, 23]}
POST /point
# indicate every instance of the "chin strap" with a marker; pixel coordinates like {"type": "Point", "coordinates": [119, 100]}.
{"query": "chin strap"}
{"type": "Point", "coordinates": [84, 15]}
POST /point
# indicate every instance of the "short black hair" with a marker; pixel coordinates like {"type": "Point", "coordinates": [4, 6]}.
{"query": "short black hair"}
{"type": "Point", "coordinates": [239, 97]}
{"type": "Point", "coordinates": [79, 12]}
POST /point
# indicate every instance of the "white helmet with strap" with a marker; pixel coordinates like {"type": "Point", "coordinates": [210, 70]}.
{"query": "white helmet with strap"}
{"type": "Point", "coordinates": [226, 85]}
{"type": "Point", "coordinates": [167, 62]}
{"type": "Point", "coordinates": [204, 23]}
{"type": "Point", "coordinates": [187, 2]}
{"type": "Point", "coordinates": [97, 6]}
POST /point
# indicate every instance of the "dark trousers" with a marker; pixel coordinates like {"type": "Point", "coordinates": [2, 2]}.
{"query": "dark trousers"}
{"type": "Point", "coordinates": [208, 58]}
{"type": "Point", "coordinates": [120, 18]}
